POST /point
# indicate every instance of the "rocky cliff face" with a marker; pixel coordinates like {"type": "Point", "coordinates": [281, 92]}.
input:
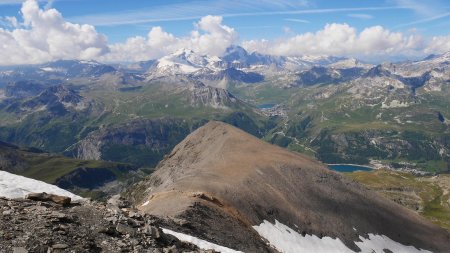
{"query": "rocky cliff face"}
{"type": "Point", "coordinates": [229, 74]}
{"type": "Point", "coordinates": [89, 148]}
{"type": "Point", "coordinates": [212, 97]}
{"type": "Point", "coordinates": [140, 142]}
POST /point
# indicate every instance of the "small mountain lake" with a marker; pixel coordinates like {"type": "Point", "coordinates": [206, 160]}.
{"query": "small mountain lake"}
{"type": "Point", "coordinates": [348, 167]}
{"type": "Point", "coordinates": [266, 106]}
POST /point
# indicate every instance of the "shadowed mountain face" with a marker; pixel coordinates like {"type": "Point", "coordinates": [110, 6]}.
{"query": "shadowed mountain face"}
{"type": "Point", "coordinates": [222, 181]}
{"type": "Point", "coordinates": [71, 174]}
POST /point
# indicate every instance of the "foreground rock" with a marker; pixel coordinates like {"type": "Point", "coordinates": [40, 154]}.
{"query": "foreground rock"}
{"type": "Point", "coordinates": [62, 200]}
{"type": "Point", "coordinates": [44, 226]}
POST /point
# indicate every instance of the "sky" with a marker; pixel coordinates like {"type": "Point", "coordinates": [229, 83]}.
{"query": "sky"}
{"type": "Point", "coordinates": [36, 31]}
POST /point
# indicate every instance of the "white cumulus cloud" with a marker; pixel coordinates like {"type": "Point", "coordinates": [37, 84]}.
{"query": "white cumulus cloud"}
{"type": "Point", "coordinates": [439, 44]}
{"type": "Point", "coordinates": [41, 35]}
{"type": "Point", "coordinates": [44, 35]}
{"type": "Point", "coordinates": [345, 40]}
{"type": "Point", "coordinates": [210, 37]}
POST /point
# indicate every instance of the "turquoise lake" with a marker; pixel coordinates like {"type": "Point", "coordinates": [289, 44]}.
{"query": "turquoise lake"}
{"type": "Point", "coordinates": [348, 167]}
{"type": "Point", "coordinates": [266, 106]}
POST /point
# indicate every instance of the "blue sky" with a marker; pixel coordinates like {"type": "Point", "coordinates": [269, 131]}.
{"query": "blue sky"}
{"type": "Point", "coordinates": [120, 19]}
{"type": "Point", "coordinates": [116, 30]}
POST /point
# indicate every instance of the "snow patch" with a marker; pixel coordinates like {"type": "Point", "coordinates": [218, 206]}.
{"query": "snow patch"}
{"type": "Point", "coordinates": [377, 243]}
{"type": "Point", "coordinates": [168, 66]}
{"type": "Point", "coordinates": [14, 186]}
{"type": "Point", "coordinates": [202, 244]}
{"type": "Point", "coordinates": [50, 69]}
{"type": "Point", "coordinates": [145, 203]}
{"type": "Point", "coordinates": [92, 63]}
{"type": "Point", "coordinates": [185, 61]}
{"type": "Point", "coordinates": [287, 240]}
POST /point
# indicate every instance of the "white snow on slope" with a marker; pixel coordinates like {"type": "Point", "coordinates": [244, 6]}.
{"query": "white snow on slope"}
{"type": "Point", "coordinates": [202, 244]}
{"type": "Point", "coordinates": [166, 64]}
{"type": "Point", "coordinates": [14, 186]}
{"type": "Point", "coordinates": [376, 243]}
{"type": "Point", "coordinates": [286, 240]}
{"type": "Point", "coordinates": [50, 69]}
{"type": "Point", "coordinates": [186, 61]}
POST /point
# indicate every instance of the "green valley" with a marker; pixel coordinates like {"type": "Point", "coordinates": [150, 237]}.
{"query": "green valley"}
{"type": "Point", "coordinates": [429, 196]}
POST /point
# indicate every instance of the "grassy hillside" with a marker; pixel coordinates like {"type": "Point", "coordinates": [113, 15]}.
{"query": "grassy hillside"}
{"type": "Point", "coordinates": [49, 168]}
{"type": "Point", "coordinates": [429, 196]}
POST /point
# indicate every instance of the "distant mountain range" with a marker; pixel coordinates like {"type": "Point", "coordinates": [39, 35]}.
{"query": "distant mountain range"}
{"type": "Point", "coordinates": [337, 109]}
{"type": "Point", "coordinates": [237, 61]}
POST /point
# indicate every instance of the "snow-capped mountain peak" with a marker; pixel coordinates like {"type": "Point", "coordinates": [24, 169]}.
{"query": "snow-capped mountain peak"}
{"type": "Point", "coordinates": [236, 54]}
{"type": "Point", "coordinates": [186, 61]}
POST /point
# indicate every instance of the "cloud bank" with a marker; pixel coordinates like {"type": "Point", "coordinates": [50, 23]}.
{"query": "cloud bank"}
{"type": "Point", "coordinates": [42, 35]}
{"type": "Point", "coordinates": [344, 40]}
{"type": "Point", "coordinates": [210, 37]}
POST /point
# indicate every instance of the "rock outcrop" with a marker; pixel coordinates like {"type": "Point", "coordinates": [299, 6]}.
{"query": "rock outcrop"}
{"type": "Point", "coordinates": [213, 97]}
{"type": "Point", "coordinates": [43, 196]}
{"type": "Point", "coordinates": [40, 226]}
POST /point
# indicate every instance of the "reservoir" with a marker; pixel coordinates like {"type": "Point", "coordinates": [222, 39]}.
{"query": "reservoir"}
{"type": "Point", "coordinates": [266, 106]}
{"type": "Point", "coordinates": [348, 167]}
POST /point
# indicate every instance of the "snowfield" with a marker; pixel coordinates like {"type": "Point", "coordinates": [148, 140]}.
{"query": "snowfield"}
{"type": "Point", "coordinates": [286, 240]}
{"type": "Point", "coordinates": [14, 186]}
{"type": "Point", "coordinates": [202, 244]}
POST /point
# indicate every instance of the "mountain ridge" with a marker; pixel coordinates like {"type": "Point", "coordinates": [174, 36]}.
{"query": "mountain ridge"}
{"type": "Point", "coordinates": [220, 171]}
